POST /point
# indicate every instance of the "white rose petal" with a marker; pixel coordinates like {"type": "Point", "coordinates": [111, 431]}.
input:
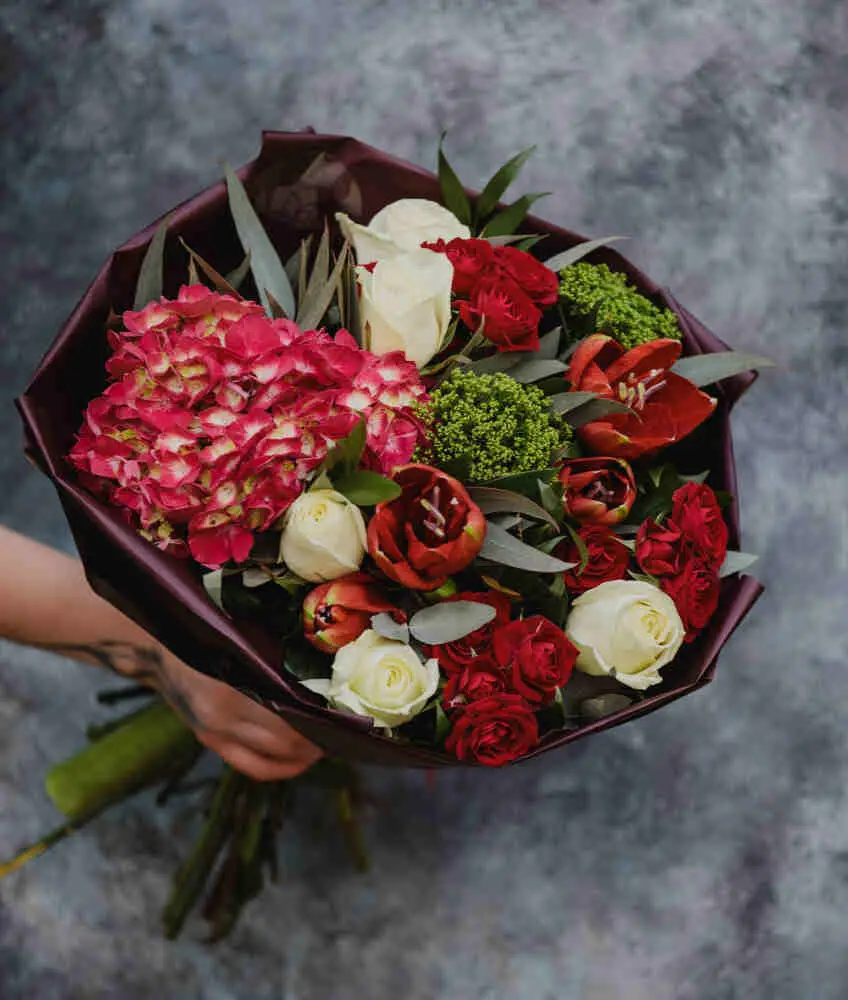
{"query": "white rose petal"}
{"type": "Point", "coordinates": [401, 226]}
{"type": "Point", "coordinates": [628, 629]}
{"type": "Point", "coordinates": [323, 536]}
{"type": "Point", "coordinates": [405, 304]}
{"type": "Point", "coordinates": [382, 679]}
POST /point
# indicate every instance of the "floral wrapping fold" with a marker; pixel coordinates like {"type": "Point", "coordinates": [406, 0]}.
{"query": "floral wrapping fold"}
{"type": "Point", "coordinates": [297, 181]}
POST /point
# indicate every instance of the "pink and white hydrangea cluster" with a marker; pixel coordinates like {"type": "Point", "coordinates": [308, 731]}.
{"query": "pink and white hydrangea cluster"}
{"type": "Point", "coordinates": [216, 417]}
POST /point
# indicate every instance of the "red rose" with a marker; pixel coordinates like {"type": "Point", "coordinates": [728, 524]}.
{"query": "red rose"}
{"type": "Point", "coordinates": [597, 490]}
{"type": "Point", "coordinates": [493, 731]}
{"type": "Point", "coordinates": [698, 515]}
{"type": "Point", "coordinates": [695, 591]}
{"type": "Point", "coordinates": [668, 406]}
{"type": "Point", "coordinates": [476, 647]}
{"type": "Point", "coordinates": [660, 549]}
{"type": "Point", "coordinates": [509, 316]}
{"type": "Point", "coordinates": [608, 558]}
{"type": "Point", "coordinates": [431, 530]}
{"type": "Point", "coordinates": [338, 612]}
{"type": "Point", "coordinates": [536, 281]}
{"type": "Point", "coordinates": [474, 683]}
{"type": "Point", "coordinates": [538, 655]}
{"type": "Point", "coordinates": [471, 259]}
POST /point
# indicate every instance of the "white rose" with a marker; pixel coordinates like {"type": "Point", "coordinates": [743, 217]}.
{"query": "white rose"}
{"type": "Point", "coordinates": [380, 678]}
{"type": "Point", "coordinates": [626, 629]}
{"type": "Point", "coordinates": [401, 226]}
{"type": "Point", "coordinates": [323, 536]}
{"type": "Point", "coordinates": [405, 304]}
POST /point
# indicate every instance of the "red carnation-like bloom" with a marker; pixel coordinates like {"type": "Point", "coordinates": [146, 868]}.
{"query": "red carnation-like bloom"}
{"type": "Point", "coordinates": [473, 683]}
{"type": "Point", "coordinates": [431, 530]}
{"type": "Point", "coordinates": [695, 592]}
{"type": "Point", "coordinates": [608, 558]}
{"type": "Point", "coordinates": [537, 656]}
{"type": "Point", "coordinates": [493, 731]}
{"type": "Point", "coordinates": [698, 515]}
{"type": "Point", "coordinates": [667, 406]}
{"type": "Point", "coordinates": [509, 316]}
{"type": "Point", "coordinates": [659, 547]}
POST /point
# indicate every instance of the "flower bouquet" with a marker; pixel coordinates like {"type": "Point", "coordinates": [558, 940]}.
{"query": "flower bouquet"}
{"type": "Point", "coordinates": [438, 482]}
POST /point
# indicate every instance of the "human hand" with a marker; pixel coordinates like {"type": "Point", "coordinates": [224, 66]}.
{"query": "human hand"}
{"type": "Point", "coordinates": [247, 736]}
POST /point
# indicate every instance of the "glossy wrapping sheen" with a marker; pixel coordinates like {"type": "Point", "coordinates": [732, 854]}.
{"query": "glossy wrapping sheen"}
{"type": "Point", "coordinates": [295, 182]}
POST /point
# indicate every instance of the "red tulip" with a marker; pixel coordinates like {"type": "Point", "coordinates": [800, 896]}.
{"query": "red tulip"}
{"type": "Point", "coordinates": [597, 490]}
{"type": "Point", "coordinates": [667, 406]}
{"type": "Point", "coordinates": [338, 612]}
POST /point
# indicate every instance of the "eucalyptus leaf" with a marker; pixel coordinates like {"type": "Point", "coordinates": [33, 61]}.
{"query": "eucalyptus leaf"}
{"type": "Point", "coordinates": [704, 369]}
{"type": "Point", "coordinates": [219, 282]}
{"type": "Point", "coordinates": [453, 193]}
{"type": "Point", "coordinates": [494, 501]}
{"type": "Point", "coordinates": [255, 577]}
{"type": "Point", "coordinates": [315, 307]}
{"type": "Point", "coordinates": [268, 271]}
{"type": "Point", "coordinates": [449, 621]}
{"type": "Point", "coordinates": [522, 482]}
{"type": "Point", "coordinates": [529, 242]}
{"type": "Point", "coordinates": [548, 345]}
{"type": "Point", "coordinates": [736, 562]}
{"type": "Point", "coordinates": [236, 277]}
{"type": "Point", "coordinates": [150, 282]}
{"type": "Point", "coordinates": [501, 547]}
{"type": "Point", "coordinates": [573, 254]}
{"type": "Point", "coordinates": [535, 369]}
{"type": "Point", "coordinates": [213, 584]}
{"type": "Point", "coordinates": [512, 216]}
{"type": "Point", "coordinates": [603, 705]}
{"type": "Point", "coordinates": [384, 625]}
{"type": "Point", "coordinates": [580, 545]}
{"type": "Point", "coordinates": [317, 278]}
{"type": "Point", "coordinates": [595, 409]}
{"type": "Point", "coordinates": [508, 238]}
{"type": "Point", "coordinates": [551, 499]}
{"type": "Point", "coordinates": [501, 361]}
{"type": "Point", "coordinates": [563, 402]}
{"type": "Point", "coordinates": [366, 489]}
{"type": "Point", "coordinates": [499, 182]}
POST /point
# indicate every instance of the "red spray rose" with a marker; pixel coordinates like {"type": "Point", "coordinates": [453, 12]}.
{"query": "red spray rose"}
{"type": "Point", "coordinates": [338, 612]}
{"type": "Point", "coordinates": [538, 656]}
{"type": "Point", "coordinates": [597, 490]}
{"type": "Point", "coordinates": [695, 592]}
{"type": "Point", "coordinates": [471, 259]}
{"type": "Point", "coordinates": [698, 515]}
{"type": "Point", "coordinates": [659, 547]}
{"type": "Point", "coordinates": [431, 530]}
{"type": "Point", "coordinates": [668, 406]}
{"type": "Point", "coordinates": [476, 647]}
{"type": "Point", "coordinates": [537, 282]}
{"type": "Point", "coordinates": [473, 683]}
{"type": "Point", "coordinates": [509, 316]}
{"type": "Point", "coordinates": [493, 731]}
{"type": "Point", "coordinates": [608, 558]}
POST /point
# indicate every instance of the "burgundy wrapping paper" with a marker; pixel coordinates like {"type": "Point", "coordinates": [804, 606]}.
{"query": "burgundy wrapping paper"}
{"type": "Point", "coordinates": [297, 179]}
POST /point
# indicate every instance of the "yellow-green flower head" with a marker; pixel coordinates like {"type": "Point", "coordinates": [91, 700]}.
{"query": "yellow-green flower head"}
{"type": "Point", "coordinates": [598, 300]}
{"type": "Point", "coordinates": [487, 426]}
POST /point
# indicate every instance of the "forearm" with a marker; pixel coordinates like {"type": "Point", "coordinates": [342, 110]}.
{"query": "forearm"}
{"type": "Point", "coordinates": [45, 601]}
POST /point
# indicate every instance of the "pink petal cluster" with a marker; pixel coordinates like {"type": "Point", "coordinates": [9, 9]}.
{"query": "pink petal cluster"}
{"type": "Point", "coordinates": [216, 416]}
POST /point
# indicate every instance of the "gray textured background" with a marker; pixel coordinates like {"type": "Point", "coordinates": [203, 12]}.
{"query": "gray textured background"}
{"type": "Point", "coordinates": [701, 854]}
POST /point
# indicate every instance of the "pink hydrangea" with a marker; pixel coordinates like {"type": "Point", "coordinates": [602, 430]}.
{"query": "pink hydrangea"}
{"type": "Point", "coordinates": [215, 417]}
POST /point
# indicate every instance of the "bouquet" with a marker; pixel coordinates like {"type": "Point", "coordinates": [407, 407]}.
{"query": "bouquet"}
{"type": "Point", "coordinates": [436, 481]}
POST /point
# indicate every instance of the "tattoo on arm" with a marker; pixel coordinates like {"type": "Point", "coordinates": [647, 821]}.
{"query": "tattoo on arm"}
{"type": "Point", "coordinates": [140, 663]}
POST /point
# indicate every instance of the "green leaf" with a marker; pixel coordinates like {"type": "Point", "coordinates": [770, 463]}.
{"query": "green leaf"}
{"type": "Point", "coordinates": [236, 277]}
{"type": "Point", "coordinates": [522, 482]}
{"type": "Point", "coordinates": [736, 562]}
{"type": "Point", "coordinates": [322, 482]}
{"type": "Point", "coordinates": [580, 545]}
{"type": "Point", "coordinates": [513, 215]}
{"type": "Point", "coordinates": [443, 725]}
{"type": "Point", "coordinates": [548, 345]}
{"type": "Point", "coordinates": [346, 452]}
{"type": "Point", "coordinates": [501, 547]}
{"type": "Point", "coordinates": [317, 278]}
{"type": "Point", "coordinates": [366, 489]}
{"type": "Point", "coordinates": [453, 193]}
{"type": "Point", "coordinates": [563, 402]}
{"type": "Point", "coordinates": [494, 501]}
{"type": "Point", "coordinates": [384, 625]}
{"type": "Point", "coordinates": [573, 254]}
{"type": "Point", "coordinates": [304, 661]}
{"type": "Point", "coordinates": [704, 369]}
{"type": "Point", "coordinates": [511, 238]}
{"type": "Point", "coordinates": [268, 271]}
{"type": "Point", "coordinates": [603, 705]}
{"type": "Point", "coordinates": [449, 621]}
{"type": "Point", "coordinates": [595, 409]}
{"type": "Point", "coordinates": [535, 369]}
{"type": "Point", "coordinates": [219, 282]}
{"type": "Point", "coordinates": [213, 584]}
{"type": "Point", "coordinates": [551, 499]}
{"type": "Point", "coordinates": [499, 182]}
{"type": "Point", "coordinates": [149, 285]}
{"type": "Point", "coordinates": [317, 303]}
{"type": "Point", "coordinates": [529, 242]}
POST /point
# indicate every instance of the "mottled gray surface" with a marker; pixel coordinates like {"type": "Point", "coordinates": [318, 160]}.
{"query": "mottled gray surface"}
{"type": "Point", "coordinates": [701, 854]}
